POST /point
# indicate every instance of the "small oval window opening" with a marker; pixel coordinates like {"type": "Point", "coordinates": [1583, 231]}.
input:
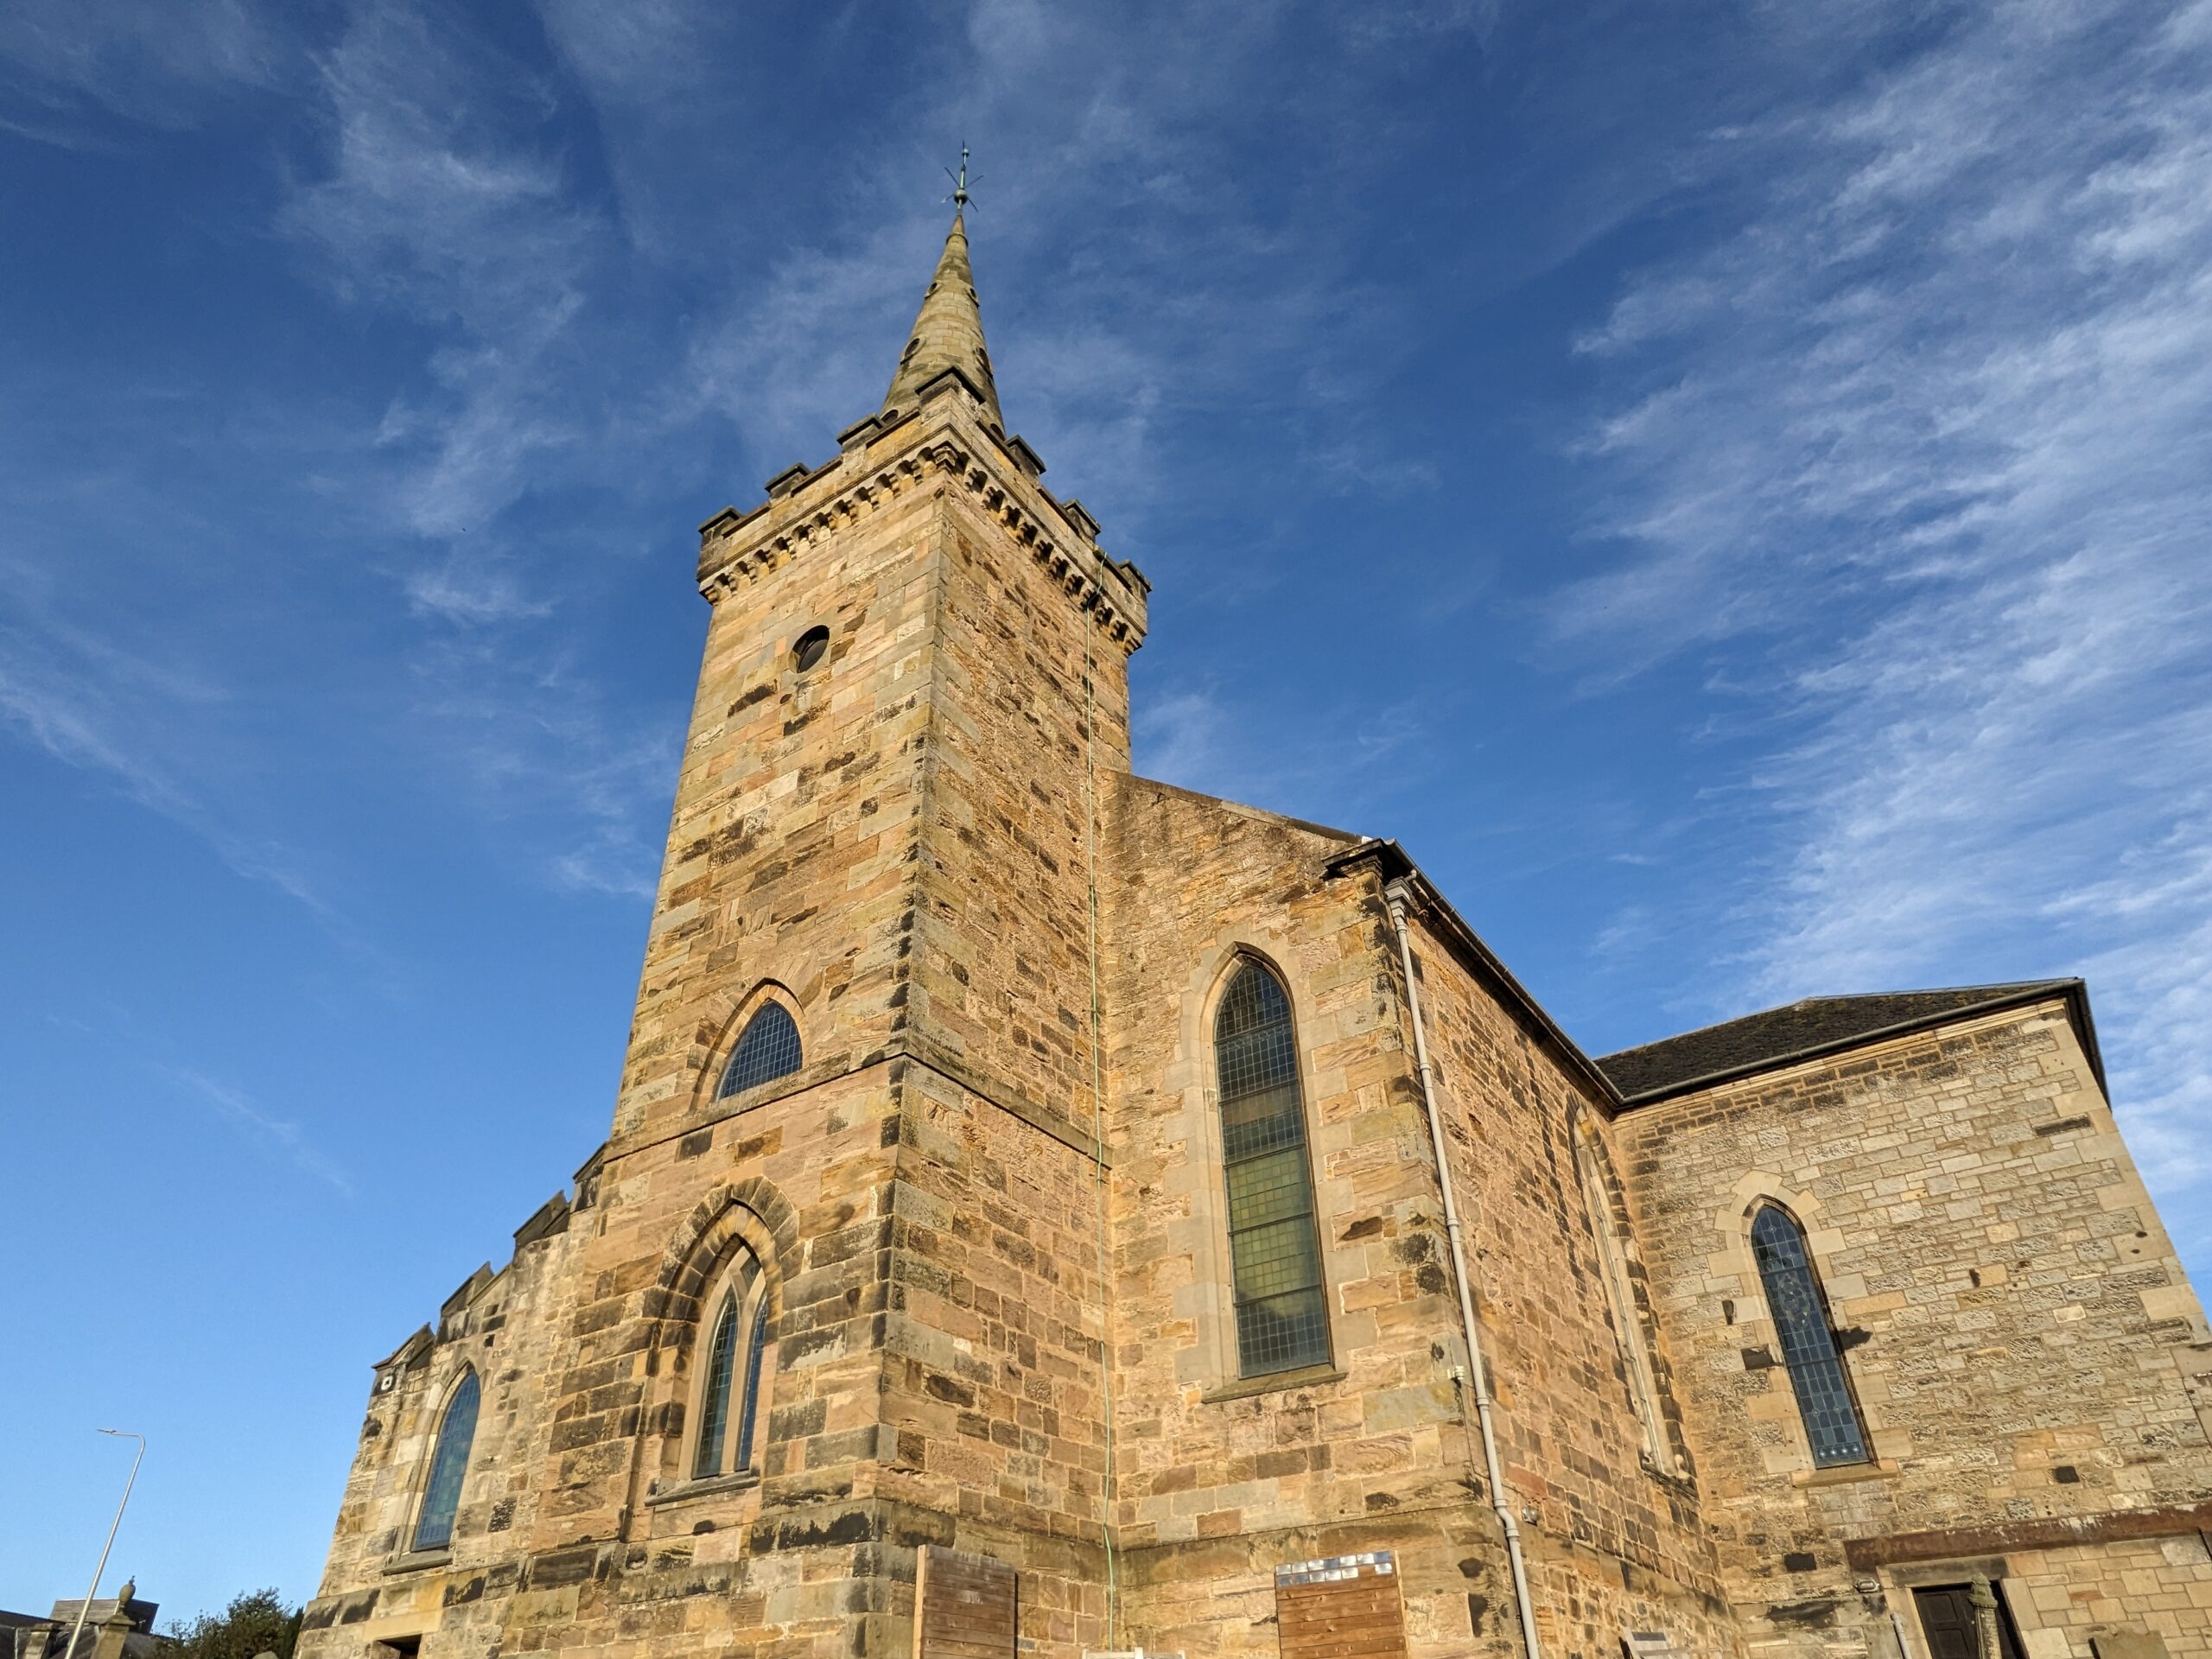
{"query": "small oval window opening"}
{"type": "Point", "coordinates": [807, 650]}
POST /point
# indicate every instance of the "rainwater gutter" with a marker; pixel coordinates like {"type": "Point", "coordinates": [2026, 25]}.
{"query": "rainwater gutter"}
{"type": "Point", "coordinates": [1398, 896]}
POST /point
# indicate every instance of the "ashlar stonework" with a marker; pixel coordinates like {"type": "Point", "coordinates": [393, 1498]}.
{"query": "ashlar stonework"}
{"type": "Point", "coordinates": [1003, 1394]}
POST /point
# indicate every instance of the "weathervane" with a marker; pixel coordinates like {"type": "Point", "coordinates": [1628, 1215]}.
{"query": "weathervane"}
{"type": "Point", "coordinates": [959, 196]}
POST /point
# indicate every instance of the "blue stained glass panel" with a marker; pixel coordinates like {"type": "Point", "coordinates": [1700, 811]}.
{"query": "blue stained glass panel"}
{"type": "Point", "coordinates": [1809, 1350]}
{"type": "Point", "coordinates": [767, 1049]}
{"type": "Point", "coordinates": [713, 1397]}
{"type": "Point", "coordinates": [449, 1463]}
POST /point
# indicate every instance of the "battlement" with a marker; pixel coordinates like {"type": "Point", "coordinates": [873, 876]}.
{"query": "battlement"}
{"type": "Point", "coordinates": [947, 435]}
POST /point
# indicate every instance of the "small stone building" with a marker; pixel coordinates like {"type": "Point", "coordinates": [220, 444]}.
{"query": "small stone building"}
{"type": "Point", "coordinates": [1049, 1211]}
{"type": "Point", "coordinates": [115, 1627]}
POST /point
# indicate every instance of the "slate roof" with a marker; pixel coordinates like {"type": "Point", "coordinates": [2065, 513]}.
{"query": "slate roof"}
{"type": "Point", "coordinates": [1820, 1025]}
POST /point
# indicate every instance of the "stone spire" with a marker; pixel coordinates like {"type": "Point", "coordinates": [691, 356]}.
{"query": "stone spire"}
{"type": "Point", "coordinates": [948, 333]}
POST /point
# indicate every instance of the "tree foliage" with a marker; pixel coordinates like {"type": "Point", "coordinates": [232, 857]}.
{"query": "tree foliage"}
{"type": "Point", "coordinates": [256, 1622]}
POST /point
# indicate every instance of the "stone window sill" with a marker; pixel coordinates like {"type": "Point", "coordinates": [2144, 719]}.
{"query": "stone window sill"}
{"type": "Point", "coordinates": [1844, 1474]}
{"type": "Point", "coordinates": [414, 1560]}
{"type": "Point", "coordinates": [1305, 1376]}
{"type": "Point", "coordinates": [744, 1480]}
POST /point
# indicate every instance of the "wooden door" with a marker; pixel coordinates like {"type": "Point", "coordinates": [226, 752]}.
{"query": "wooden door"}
{"type": "Point", "coordinates": [1947, 1620]}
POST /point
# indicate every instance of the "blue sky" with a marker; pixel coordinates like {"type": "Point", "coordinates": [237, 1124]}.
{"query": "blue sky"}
{"type": "Point", "coordinates": [1727, 486]}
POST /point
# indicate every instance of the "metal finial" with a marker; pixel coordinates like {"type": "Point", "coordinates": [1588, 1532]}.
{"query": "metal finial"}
{"type": "Point", "coordinates": [959, 196]}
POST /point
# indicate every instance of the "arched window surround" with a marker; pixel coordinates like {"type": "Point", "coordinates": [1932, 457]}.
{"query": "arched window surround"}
{"type": "Point", "coordinates": [437, 1497]}
{"type": "Point", "coordinates": [1231, 1364]}
{"type": "Point", "coordinates": [1634, 1333]}
{"type": "Point", "coordinates": [1822, 1388]}
{"type": "Point", "coordinates": [742, 1013]}
{"type": "Point", "coordinates": [747, 1218]}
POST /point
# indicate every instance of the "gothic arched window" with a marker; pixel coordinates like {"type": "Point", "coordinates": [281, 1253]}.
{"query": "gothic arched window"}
{"type": "Point", "coordinates": [729, 1387]}
{"type": "Point", "coordinates": [767, 1048]}
{"type": "Point", "coordinates": [713, 1401]}
{"type": "Point", "coordinates": [1274, 1256]}
{"type": "Point", "coordinates": [1620, 1299]}
{"type": "Point", "coordinates": [449, 1463]}
{"type": "Point", "coordinates": [1809, 1350]}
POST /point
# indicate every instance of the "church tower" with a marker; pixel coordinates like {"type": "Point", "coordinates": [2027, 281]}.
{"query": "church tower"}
{"type": "Point", "coordinates": [858, 1108]}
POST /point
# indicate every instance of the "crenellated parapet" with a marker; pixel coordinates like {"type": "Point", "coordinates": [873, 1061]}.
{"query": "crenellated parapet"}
{"type": "Point", "coordinates": [946, 437]}
{"type": "Point", "coordinates": [486, 1356]}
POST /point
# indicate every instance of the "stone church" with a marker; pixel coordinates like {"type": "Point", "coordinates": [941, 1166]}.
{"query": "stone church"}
{"type": "Point", "coordinates": [1051, 1212]}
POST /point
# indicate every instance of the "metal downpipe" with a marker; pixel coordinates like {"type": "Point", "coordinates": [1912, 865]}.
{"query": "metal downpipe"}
{"type": "Point", "coordinates": [1397, 896]}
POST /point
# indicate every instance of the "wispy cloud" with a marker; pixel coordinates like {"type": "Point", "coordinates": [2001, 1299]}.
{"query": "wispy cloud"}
{"type": "Point", "coordinates": [1940, 450]}
{"type": "Point", "coordinates": [444, 198]}
{"type": "Point", "coordinates": [68, 70]}
{"type": "Point", "coordinates": [277, 1135]}
{"type": "Point", "coordinates": [1185, 737]}
{"type": "Point", "coordinates": [435, 202]}
{"type": "Point", "coordinates": [1226, 741]}
{"type": "Point", "coordinates": [1133, 286]}
{"type": "Point", "coordinates": [570, 780]}
{"type": "Point", "coordinates": [91, 704]}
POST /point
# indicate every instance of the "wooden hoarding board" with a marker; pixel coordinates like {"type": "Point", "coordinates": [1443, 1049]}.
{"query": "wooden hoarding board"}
{"type": "Point", "coordinates": [965, 1606]}
{"type": "Point", "coordinates": [1341, 1607]}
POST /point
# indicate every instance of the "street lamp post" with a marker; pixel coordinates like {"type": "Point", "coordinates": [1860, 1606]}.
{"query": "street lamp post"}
{"type": "Point", "coordinates": [70, 1652]}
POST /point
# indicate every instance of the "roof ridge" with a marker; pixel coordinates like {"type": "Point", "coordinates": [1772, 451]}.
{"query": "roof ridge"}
{"type": "Point", "coordinates": [1793, 1031]}
{"type": "Point", "coordinates": [1997, 989]}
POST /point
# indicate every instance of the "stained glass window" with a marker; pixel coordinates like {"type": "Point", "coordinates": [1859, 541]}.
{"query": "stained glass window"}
{"type": "Point", "coordinates": [767, 1049]}
{"type": "Point", "coordinates": [748, 1402]}
{"type": "Point", "coordinates": [1809, 1350]}
{"type": "Point", "coordinates": [1274, 1249]}
{"type": "Point", "coordinates": [713, 1399]}
{"type": "Point", "coordinates": [449, 1463]}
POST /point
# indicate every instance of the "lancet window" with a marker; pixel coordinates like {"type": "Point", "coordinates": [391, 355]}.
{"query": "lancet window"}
{"type": "Point", "coordinates": [768, 1048]}
{"type": "Point", "coordinates": [1274, 1246]}
{"type": "Point", "coordinates": [448, 1465]}
{"type": "Point", "coordinates": [1808, 1349]}
{"type": "Point", "coordinates": [735, 1344]}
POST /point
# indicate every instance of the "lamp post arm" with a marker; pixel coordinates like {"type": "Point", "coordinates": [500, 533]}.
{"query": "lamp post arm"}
{"type": "Point", "coordinates": [85, 1611]}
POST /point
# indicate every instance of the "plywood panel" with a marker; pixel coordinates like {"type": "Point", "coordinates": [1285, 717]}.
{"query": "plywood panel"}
{"type": "Point", "coordinates": [1341, 1607]}
{"type": "Point", "coordinates": [965, 1606]}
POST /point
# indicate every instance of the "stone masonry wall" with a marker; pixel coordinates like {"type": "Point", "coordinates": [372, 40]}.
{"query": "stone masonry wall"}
{"type": "Point", "coordinates": [791, 864]}
{"type": "Point", "coordinates": [2015, 1323]}
{"type": "Point", "coordinates": [992, 1405]}
{"type": "Point", "coordinates": [1220, 1480]}
{"type": "Point", "coordinates": [509, 1328]}
{"type": "Point", "coordinates": [795, 822]}
{"type": "Point", "coordinates": [930, 1238]}
{"type": "Point", "coordinates": [1615, 1542]}
{"type": "Point", "coordinates": [2063, 1600]}
{"type": "Point", "coordinates": [993, 1334]}
{"type": "Point", "coordinates": [1002, 974]}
